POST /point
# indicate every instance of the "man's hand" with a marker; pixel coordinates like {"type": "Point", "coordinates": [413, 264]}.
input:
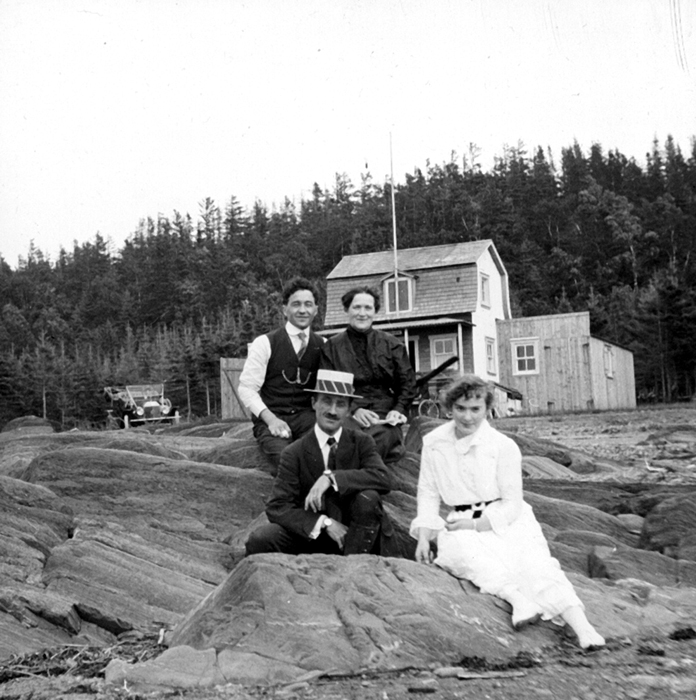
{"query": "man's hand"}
{"type": "Point", "coordinates": [337, 532]}
{"type": "Point", "coordinates": [365, 418]}
{"type": "Point", "coordinates": [315, 497]}
{"type": "Point", "coordinates": [423, 553]}
{"type": "Point", "coordinates": [276, 426]}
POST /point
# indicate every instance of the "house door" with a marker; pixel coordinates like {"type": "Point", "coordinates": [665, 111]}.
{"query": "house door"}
{"type": "Point", "coordinates": [413, 352]}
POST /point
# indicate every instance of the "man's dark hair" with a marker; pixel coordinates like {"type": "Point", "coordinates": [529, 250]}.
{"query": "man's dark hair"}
{"type": "Point", "coordinates": [347, 298]}
{"type": "Point", "coordinates": [295, 285]}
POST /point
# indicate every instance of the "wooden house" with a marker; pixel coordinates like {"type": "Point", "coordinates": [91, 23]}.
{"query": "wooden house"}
{"type": "Point", "coordinates": [453, 301]}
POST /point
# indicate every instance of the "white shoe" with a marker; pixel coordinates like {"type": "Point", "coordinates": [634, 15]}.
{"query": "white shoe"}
{"type": "Point", "coordinates": [525, 613]}
{"type": "Point", "coordinates": [590, 639]}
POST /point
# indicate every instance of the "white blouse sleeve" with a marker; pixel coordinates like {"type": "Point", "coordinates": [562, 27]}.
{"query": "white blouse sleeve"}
{"type": "Point", "coordinates": [509, 477]}
{"type": "Point", "coordinates": [428, 498]}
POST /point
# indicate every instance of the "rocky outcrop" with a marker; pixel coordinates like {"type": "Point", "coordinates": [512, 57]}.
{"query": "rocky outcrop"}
{"type": "Point", "coordinates": [33, 520]}
{"type": "Point", "coordinates": [29, 425]}
{"type": "Point", "coordinates": [106, 532]}
{"type": "Point", "coordinates": [18, 450]}
{"type": "Point", "coordinates": [615, 497]}
{"type": "Point", "coordinates": [278, 619]}
{"type": "Point", "coordinates": [618, 562]}
{"type": "Point", "coordinates": [670, 527]}
{"type": "Point", "coordinates": [201, 501]}
{"type": "Point", "coordinates": [564, 515]}
{"type": "Point", "coordinates": [536, 467]}
{"type": "Point", "coordinates": [114, 539]}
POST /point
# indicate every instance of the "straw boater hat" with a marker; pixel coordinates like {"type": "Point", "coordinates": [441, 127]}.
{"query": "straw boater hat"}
{"type": "Point", "coordinates": [334, 383]}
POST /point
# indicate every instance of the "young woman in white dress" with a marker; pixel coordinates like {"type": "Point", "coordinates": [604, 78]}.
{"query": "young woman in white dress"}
{"type": "Point", "coordinates": [490, 535]}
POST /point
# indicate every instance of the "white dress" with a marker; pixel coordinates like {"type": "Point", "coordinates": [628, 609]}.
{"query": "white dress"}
{"type": "Point", "coordinates": [487, 466]}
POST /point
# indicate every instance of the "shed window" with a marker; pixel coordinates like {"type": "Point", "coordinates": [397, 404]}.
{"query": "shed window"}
{"type": "Point", "coordinates": [609, 361]}
{"type": "Point", "coordinates": [525, 356]}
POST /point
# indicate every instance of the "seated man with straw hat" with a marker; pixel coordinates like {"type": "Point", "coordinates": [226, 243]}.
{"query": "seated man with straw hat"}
{"type": "Point", "coordinates": [327, 495]}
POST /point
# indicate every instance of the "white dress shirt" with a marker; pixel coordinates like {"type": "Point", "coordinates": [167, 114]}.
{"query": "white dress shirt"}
{"type": "Point", "coordinates": [322, 439]}
{"type": "Point", "coordinates": [254, 372]}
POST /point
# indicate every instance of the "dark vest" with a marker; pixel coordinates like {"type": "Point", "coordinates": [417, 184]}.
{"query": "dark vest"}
{"type": "Point", "coordinates": [283, 389]}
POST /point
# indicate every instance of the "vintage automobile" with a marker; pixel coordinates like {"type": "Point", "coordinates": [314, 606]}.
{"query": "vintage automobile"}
{"type": "Point", "coordinates": [137, 404]}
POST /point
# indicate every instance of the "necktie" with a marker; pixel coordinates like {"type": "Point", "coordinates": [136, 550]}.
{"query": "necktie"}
{"type": "Point", "coordinates": [303, 337]}
{"type": "Point", "coordinates": [333, 448]}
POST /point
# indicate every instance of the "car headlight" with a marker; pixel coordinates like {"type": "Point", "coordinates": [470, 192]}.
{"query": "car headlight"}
{"type": "Point", "coordinates": [140, 411]}
{"type": "Point", "coordinates": [165, 410]}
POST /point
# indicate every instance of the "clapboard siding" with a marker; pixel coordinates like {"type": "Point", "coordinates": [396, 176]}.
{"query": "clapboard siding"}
{"type": "Point", "coordinates": [552, 326]}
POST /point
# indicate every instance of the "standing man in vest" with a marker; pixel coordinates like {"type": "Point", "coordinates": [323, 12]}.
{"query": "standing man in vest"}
{"type": "Point", "coordinates": [280, 366]}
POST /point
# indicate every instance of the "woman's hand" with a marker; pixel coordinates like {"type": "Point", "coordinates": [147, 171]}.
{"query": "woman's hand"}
{"type": "Point", "coordinates": [462, 524]}
{"type": "Point", "coordinates": [365, 418]}
{"type": "Point", "coordinates": [423, 553]}
{"type": "Point", "coordinates": [395, 418]}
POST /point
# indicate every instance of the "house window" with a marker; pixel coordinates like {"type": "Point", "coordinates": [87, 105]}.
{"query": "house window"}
{"type": "Point", "coordinates": [485, 291]}
{"type": "Point", "coordinates": [491, 364]}
{"type": "Point", "coordinates": [405, 294]}
{"type": "Point", "coordinates": [442, 347]}
{"type": "Point", "coordinates": [609, 361]}
{"type": "Point", "coordinates": [525, 356]}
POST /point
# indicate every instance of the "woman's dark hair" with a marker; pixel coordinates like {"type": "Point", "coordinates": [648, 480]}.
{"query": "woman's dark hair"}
{"type": "Point", "coordinates": [295, 285]}
{"type": "Point", "coordinates": [468, 386]}
{"type": "Point", "coordinates": [347, 298]}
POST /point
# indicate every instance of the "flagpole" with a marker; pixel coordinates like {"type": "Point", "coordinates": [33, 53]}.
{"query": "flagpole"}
{"type": "Point", "coordinates": [393, 203]}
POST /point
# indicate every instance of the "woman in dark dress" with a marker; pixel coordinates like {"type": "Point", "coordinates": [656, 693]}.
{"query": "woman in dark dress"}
{"type": "Point", "coordinates": [384, 377]}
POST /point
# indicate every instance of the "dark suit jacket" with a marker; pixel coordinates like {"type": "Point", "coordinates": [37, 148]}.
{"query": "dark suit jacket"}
{"type": "Point", "coordinates": [358, 468]}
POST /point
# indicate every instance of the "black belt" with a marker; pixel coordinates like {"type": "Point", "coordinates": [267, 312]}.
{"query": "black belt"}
{"type": "Point", "coordinates": [478, 508]}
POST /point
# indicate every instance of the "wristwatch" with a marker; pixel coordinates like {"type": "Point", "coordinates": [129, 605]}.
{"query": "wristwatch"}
{"type": "Point", "coordinates": [327, 523]}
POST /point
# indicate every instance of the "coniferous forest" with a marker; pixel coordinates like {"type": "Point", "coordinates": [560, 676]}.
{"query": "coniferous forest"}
{"type": "Point", "coordinates": [592, 231]}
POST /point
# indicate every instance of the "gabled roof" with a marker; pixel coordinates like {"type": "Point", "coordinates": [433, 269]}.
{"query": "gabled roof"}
{"type": "Point", "coordinates": [423, 258]}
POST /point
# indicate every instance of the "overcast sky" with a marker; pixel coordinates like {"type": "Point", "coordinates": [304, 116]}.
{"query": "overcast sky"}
{"type": "Point", "coordinates": [114, 110]}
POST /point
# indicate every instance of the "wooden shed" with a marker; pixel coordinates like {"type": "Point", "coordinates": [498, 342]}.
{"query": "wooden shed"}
{"type": "Point", "coordinates": [556, 365]}
{"type": "Point", "coordinates": [231, 405]}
